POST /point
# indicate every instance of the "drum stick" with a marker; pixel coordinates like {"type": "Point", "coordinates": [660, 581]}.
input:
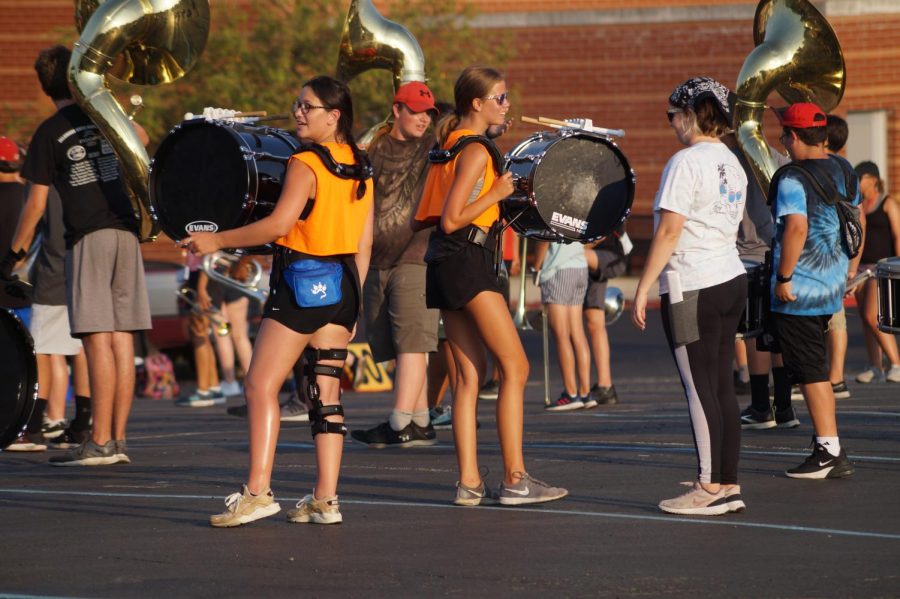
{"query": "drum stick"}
{"type": "Point", "coordinates": [858, 280]}
{"type": "Point", "coordinates": [528, 119]}
{"type": "Point", "coordinates": [600, 130]}
{"type": "Point", "coordinates": [274, 117]}
{"type": "Point", "coordinates": [252, 113]}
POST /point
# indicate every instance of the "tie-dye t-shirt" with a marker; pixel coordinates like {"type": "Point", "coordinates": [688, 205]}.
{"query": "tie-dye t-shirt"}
{"type": "Point", "coordinates": [820, 276]}
{"type": "Point", "coordinates": [706, 184]}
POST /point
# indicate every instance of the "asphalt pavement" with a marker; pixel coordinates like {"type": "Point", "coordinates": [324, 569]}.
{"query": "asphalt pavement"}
{"type": "Point", "coordinates": [141, 530]}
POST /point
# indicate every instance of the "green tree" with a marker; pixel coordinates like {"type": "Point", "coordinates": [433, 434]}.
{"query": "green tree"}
{"type": "Point", "coordinates": [258, 54]}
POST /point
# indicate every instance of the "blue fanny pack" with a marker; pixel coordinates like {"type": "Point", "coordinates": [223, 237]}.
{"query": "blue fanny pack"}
{"type": "Point", "coordinates": [314, 283]}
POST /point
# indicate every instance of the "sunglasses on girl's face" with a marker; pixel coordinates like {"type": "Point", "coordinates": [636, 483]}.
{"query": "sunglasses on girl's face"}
{"type": "Point", "coordinates": [670, 113]}
{"type": "Point", "coordinates": [501, 98]}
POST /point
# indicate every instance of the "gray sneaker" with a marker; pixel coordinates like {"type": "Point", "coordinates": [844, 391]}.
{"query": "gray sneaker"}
{"type": "Point", "coordinates": [529, 490]}
{"type": "Point", "coordinates": [479, 495]}
{"type": "Point", "coordinates": [121, 452]}
{"type": "Point", "coordinates": [294, 410]}
{"type": "Point", "coordinates": [88, 454]}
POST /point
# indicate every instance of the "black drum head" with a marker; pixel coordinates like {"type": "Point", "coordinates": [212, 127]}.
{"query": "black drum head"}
{"type": "Point", "coordinates": [199, 179]}
{"type": "Point", "coordinates": [585, 187]}
{"type": "Point", "coordinates": [18, 377]}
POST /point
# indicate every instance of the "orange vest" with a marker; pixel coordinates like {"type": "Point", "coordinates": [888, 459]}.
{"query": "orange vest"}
{"type": "Point", "coordinates": [337, 219]}
{"type": "Point", "coordinates": [440, 178]}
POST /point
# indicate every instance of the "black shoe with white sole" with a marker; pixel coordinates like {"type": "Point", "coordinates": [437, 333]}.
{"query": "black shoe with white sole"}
{"type": "Point", "coordinates": [821, 464]}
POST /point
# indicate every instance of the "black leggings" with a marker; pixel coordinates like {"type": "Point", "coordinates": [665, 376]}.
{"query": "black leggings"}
{"type": "Point", "coordinates": [705, 367]}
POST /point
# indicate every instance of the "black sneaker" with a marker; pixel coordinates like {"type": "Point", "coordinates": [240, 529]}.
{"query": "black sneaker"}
{"type": "Point", "coordinates": [840, 390]}
{"type": "Point", "coordinates": [383, 436]}
{"type": "Point", "coordinates": [490, 390]}
{"type": "Point", "coordinates": [69, 439]}
{"type": "Point", "coordinates": [602, 395]}
{"type": "Point", "coordinates": [751, 419]}
{"type": "Point", "coordinates": [786, 418]}
{"type": "Point", "coordinates": [422, 436]}
{"type": "Point", "coordinates": [821, 464]}
{"type": "Point", "coordinates": [741, 387]}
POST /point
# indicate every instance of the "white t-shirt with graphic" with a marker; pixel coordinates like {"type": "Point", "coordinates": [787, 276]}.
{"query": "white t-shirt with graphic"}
{"type": "Point", "coordinates": [706, 184]}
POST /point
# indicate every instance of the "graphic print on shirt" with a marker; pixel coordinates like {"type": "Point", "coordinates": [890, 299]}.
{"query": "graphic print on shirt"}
{"type": "Point", "coordinates": [91, 159]}
{"type": "Point", "coordinates": [731, 194]}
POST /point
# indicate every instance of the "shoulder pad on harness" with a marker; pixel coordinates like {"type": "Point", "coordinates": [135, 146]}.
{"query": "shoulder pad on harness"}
{"type": "Point", "coordinates": [440, 156]}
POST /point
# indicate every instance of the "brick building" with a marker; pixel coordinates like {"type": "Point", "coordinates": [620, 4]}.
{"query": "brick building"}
{"type": "Point", "coordinates": [614, 61]}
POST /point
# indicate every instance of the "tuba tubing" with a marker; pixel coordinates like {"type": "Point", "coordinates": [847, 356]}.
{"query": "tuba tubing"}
{"type": "Point", "coordinates": [157, 41]}
{"type": "Point", "coordinates": [799, 56]}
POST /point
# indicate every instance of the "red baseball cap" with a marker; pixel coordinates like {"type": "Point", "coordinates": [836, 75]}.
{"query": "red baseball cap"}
{"type": "Point", "coordinates": [416, 96]}
{"type": "Point", "coordinates": [803, 115]}
{"type": "Point", "coordinates": [9, 151]}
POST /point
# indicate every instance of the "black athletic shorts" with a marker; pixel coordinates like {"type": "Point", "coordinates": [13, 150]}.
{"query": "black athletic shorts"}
{"type": "Point", "coordinates": [802, 341]}
{"type": "Point", "coordinates": [454, 281]}
{"type": "Point", "coordinates": [282, 307]}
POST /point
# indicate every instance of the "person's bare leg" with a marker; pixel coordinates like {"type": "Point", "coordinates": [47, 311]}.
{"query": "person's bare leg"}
{"type": "Point", "coordinates": [469, 359]}
{"type": "Point", "coordinates": [277, 350]}
{"type": "Point", "coordinates": [599, 342]}
{"type": "Point", "coordinates": [240, 337]}
{"type": "Point", "coordinates": [886, 343]}
{"type": "Point", "coordinates": [81, 383]}
{"type": "Point", "coordinates": [582, 349]}
{"type": "Point", "coordinates": [437, 376]}
{"type": "Point", "coordinates": [330, 446]}
{"type": "Point", "coordinates": [409, 382]}
{"type": "Point", "coordinates": [225, 352]}
{"type": "Point", "coordinates": [836, 341]}
{"type": "Point", "coordinates": [867, 302]}
{"type": "Point", "coordinates": [123, 350]}
{"type": "Point", "coordinates": [495, 326]}
{"type": "Point", "coordinates": [58, 386]}
{"type": "Point", "coordinates": [559, 324]}
{"type": "Point", "coordinates": [102, 370]}
{"type": "Point", "coordinates": [820, 403]}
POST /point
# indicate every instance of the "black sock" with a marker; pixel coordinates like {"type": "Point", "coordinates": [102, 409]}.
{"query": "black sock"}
{"type": "Point", "coordinates": [36, 422]}
{"type": "Point", "coordinates": [82, 421]}
{"type": "Point", "coordinates": [782, 388]}
{"type": "Point", "coordinates": [759, 392]}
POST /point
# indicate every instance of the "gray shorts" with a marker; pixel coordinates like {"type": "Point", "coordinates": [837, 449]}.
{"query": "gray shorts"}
{"type": "Point", "coordinates": [50, 331]}
{"type": "Point", "coordinates": [566, 287]}
{"type": "Point", "coordinates": [105, 285]}
{"type": "Point", "coordinates": [397, 321]}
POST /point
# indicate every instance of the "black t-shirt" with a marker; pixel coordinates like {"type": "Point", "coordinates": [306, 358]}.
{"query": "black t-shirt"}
{"type": "Point", "coordinates": [12, 199]}
{"type": "Point", "coordinates": [69, 152]}
{"type": "Point", "coordinates": [48, 275]}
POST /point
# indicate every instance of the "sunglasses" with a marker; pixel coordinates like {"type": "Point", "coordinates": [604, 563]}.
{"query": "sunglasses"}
{"type": "Point", "coordinates": [501, 98]}
{"type": "Point", "coordinates": [670, 113]}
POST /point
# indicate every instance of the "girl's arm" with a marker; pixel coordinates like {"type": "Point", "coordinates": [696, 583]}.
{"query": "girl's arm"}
{"type": "Point", "coordinates": [469, 167]}
{"type": "Point", "coordinates": [661, 247]}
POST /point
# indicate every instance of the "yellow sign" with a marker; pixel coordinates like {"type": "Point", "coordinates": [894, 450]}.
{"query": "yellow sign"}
{"type": "Point", "coordinates": [362, 373]}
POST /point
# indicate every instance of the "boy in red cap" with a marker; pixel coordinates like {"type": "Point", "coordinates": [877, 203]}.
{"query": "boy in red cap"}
{"type": "Point", "coordinates": [398, 325]}
{"type": "Point", "coordinates": [809, 276]}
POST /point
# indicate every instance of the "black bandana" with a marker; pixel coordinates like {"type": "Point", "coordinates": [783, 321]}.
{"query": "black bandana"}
{"type": "Point", "coordinates": [695, 89]}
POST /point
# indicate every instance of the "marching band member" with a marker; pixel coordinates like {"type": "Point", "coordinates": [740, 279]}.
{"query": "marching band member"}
{"type": "Point", "coordinates": [461, 197]}
{"type": "Point", "coordinates": [697, 212]}
{"type": "Point", "coordinates": [322, 228]}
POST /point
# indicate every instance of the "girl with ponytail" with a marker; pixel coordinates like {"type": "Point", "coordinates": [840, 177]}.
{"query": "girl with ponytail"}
{"type": "Point", "coordinates": [461, 198]}
{"type": "Point", "coordinates": [327, 185]}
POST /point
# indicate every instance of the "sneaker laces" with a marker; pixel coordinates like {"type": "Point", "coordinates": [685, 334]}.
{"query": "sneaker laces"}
{"type": "Point", "coordinates": [233, 501]}
{"type": "Point", "coordinates": [528, 477]}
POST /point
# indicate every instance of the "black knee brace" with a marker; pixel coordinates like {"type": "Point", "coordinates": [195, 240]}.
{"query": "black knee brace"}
{"type": "Point", "coordinates": [317, 414]}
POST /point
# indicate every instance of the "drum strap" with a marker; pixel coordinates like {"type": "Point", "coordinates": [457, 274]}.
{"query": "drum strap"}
{"type": "Point", "coordinates": [359, 172]}
{"type": "Point", "coordinates": [441, 156]}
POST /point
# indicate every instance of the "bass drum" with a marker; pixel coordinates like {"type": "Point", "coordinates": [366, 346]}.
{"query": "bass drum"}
{"type": "Point", "coordinates": [18, 377]}
{"type": "Point", "coordinates": [218, 175]}
{"type": "Point", "coordinates": [569, 187]}
{"type": "Point", "coordinates": [887, 279]}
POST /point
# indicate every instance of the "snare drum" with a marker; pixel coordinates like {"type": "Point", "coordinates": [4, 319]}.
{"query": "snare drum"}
{"type": "Point", "coordinates": [887, 278]}
{"type": "Point", "coordinates": [751, 323]}
{"type": "Point", "coordinates": [218, 175]}
{"type": "Point", "coordinates": [18, 377]}
{"type": "Point", "coordinates": [570, 186]}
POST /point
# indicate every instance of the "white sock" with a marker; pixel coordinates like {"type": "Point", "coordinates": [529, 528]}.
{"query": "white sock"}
{"type": "Point", "coordinates": [831, 444]}
{"type": "Point", "coordinates": [421, 418]}
{"type": "Point", "coordinates": [399, 420]}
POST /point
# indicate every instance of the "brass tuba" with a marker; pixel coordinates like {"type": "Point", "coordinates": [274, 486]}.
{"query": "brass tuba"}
{"type": "Point", "coordinates": [369, 41]}
{"type": "Point", "coordinates": [142, 42]}
{"type": "Point", "coordinates": [797, 54]}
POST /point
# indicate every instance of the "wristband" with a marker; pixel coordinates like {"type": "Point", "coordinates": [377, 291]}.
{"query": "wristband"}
{"type": "Point", "coordinates": [784, 279]}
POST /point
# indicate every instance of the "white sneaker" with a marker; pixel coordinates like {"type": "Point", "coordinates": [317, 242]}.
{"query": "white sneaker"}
{"type": "Point", "coordinates": [893, 375]}
{"type": "Point", "coordinates": [870, 375]}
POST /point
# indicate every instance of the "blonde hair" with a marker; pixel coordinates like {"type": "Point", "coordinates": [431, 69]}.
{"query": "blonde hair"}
{"type": "Point", "coordinates": [474, 82]}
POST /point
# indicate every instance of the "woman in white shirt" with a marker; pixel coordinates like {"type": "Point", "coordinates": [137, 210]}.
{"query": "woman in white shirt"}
{"type": "Point", "coordinates": [703, 286]}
